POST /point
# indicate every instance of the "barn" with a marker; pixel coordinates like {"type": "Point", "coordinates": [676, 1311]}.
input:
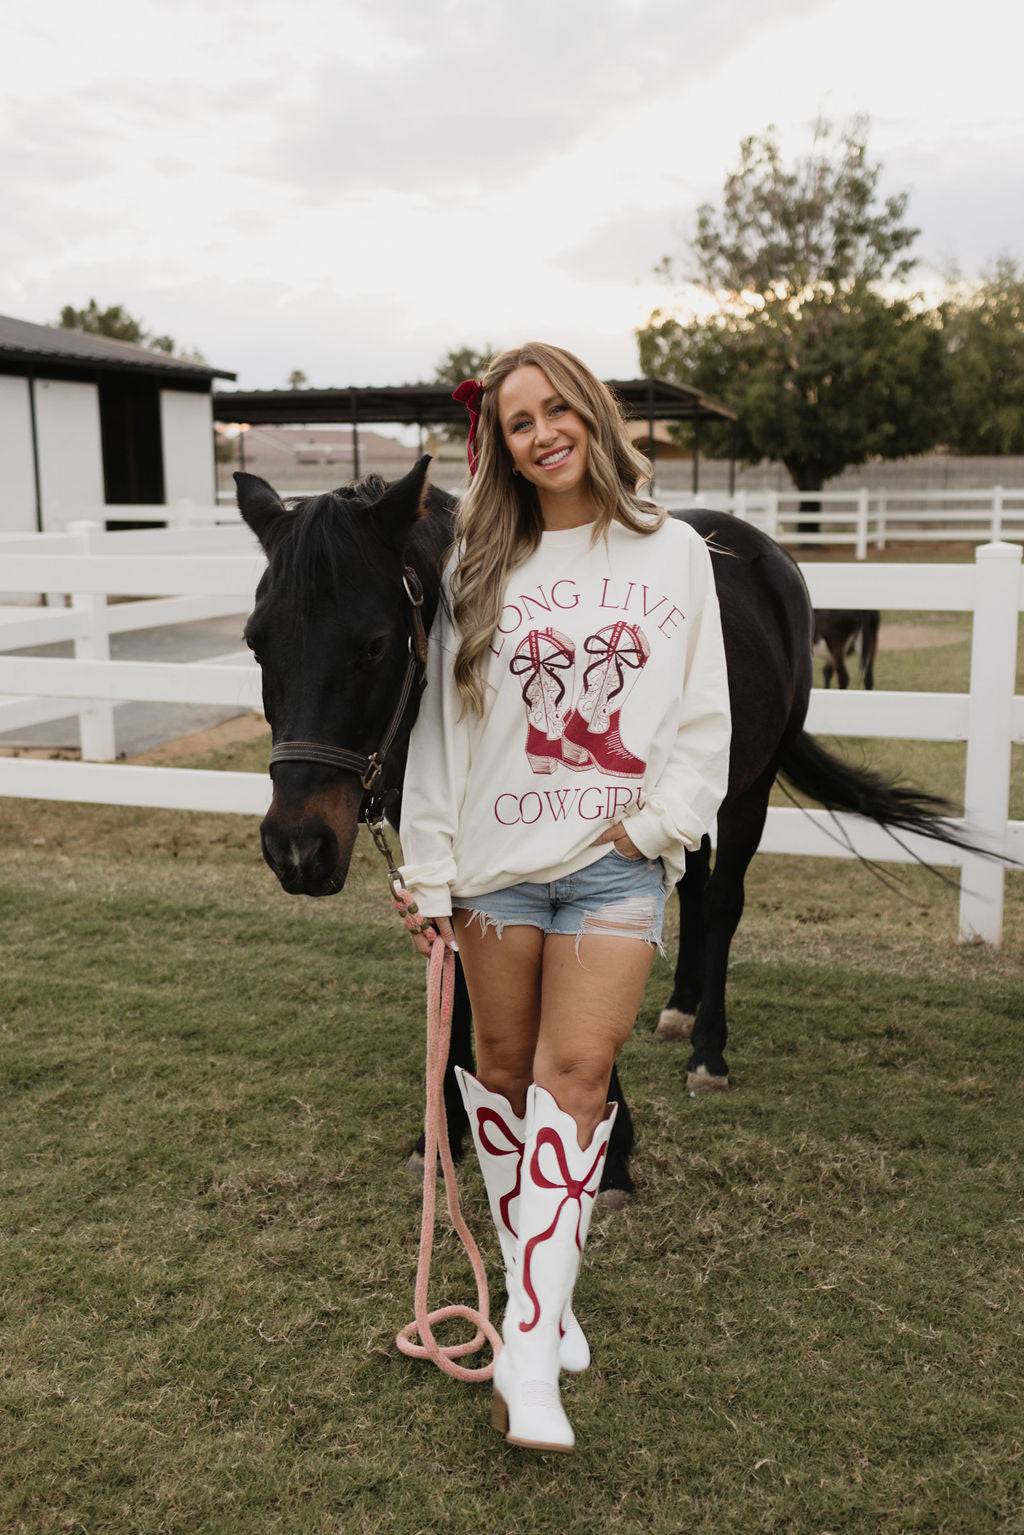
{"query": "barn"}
{"type": "Point", "coordinates": [88, 425]}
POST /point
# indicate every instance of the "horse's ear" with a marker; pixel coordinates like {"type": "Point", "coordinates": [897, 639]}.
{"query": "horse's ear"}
{"type": "Point", "coordinates": [402, 504]}
{"type": "Point", "coordinates": [260, 505]}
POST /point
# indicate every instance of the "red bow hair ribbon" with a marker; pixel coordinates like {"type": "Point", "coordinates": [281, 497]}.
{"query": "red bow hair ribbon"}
{"type": "Point", "coordinates": [470, 393]}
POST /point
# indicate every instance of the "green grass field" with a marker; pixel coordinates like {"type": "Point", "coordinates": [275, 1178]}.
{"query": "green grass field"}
{"type": "Point", "coordinates": [809, 1320]}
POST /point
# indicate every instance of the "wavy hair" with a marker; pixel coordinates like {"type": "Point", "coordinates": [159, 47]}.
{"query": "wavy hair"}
{"type": "Point", "coordinates": [499, 522]}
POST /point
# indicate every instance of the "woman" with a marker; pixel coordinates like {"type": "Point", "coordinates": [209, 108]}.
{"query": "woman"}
{"type": "Point", "coordinates": [572, 744]}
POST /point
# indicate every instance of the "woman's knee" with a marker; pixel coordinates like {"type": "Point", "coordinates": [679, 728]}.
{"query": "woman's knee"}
{"type": "Point", "coordinates": [578, 1086]}
{"type": "Point", "coordinates": [505, 1071]}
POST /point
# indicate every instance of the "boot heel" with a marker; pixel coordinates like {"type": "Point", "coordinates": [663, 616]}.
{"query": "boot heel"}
{"type": "Point", "coordinates": [575, 756]}
{"type": "Point", "coordinates": [542, 764]}
{"type": "Point", "coordinates": [499, 1413]}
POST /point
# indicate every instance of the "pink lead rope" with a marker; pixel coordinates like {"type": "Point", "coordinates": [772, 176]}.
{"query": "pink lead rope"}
{"type": "Point", "coordinates": [440, 995]}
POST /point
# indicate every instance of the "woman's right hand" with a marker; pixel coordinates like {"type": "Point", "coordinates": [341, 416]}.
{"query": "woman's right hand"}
{"type": "Point", "coordinates": [433, 925]}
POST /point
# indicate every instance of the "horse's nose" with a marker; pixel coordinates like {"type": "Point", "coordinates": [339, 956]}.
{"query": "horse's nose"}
{"type": "Point", "coordinates": [304, 861]}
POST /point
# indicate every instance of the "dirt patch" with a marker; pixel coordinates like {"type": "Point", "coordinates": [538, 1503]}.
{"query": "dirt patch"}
{"type": "Point", "coordinates": [234, 732]}
{"type": "Point", "coordinates": [915, 637]}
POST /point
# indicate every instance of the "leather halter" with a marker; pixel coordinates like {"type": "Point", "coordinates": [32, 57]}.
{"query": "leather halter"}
{"type": "Point", "coordinates": [370, 767]}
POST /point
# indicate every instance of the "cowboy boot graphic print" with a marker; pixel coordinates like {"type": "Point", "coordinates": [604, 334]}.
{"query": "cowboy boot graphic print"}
{"type": "Point", "coordinates": [591, 731]}
{"type": "Point", "coordinates": [545, 662]}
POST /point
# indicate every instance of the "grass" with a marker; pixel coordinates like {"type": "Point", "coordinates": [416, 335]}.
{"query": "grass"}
{"type": "Point", "coordinates": [810, 1320]}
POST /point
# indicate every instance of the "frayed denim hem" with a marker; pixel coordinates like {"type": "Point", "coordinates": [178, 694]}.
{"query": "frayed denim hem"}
{"type": "Point", "coordinates": [635, 917]}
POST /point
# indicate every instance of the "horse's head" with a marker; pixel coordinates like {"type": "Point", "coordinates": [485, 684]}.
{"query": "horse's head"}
{"type": "Point", "coordinates": [332, 629]}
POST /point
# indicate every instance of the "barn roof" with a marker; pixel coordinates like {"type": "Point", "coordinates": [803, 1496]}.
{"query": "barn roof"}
{"type": "Point", "coordinates": [21, 342]}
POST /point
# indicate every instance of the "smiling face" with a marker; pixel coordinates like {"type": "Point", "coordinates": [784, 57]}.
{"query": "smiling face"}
{"type": "Point", "coordinates": [548, 442]}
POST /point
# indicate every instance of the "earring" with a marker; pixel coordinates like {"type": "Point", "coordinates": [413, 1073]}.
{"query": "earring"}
{"type": "Point", "coordinates": [515, 470]}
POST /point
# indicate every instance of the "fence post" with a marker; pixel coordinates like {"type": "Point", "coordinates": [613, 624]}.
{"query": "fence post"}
{"type": "Point", "coordinates": [883, 508]}
{"type": "Point", "coordinates": [96, 719]}
{"type": "Point", "coordinates": [997, 513]}
{"type": "Point", "coordinates": [772, 507]}
{"type": "Point", "coordinates": [862, 523]}
{"type": "Point", "coordinates": [739, 505]}
{"type": "Point", "coordinates": [989, 734]}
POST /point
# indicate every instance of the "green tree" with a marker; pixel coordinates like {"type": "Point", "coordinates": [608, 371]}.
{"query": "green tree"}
{"type": "Point", "coordinates": [803, 337]}
{"type": "Point", "coordinates": [118, 325]}
{"type": "Point", "coordinates": [114, 322]}
{"type": "Point", "coordinates": [297, 379]}
{"type": "Point", "coordinates": [461, 363]}
{"type": "Point", "coordinates": [984, 331]}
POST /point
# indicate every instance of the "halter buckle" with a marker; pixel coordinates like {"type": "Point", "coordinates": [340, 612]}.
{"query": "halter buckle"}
{"type": "Point", "coordinates": [372, 772]}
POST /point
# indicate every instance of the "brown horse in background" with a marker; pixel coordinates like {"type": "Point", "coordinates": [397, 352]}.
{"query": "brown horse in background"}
{"type": "Point", "coordinates": [839, 630]}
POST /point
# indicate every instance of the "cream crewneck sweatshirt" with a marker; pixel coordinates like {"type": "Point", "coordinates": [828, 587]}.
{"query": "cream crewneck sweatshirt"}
{"type": "Point", "coordinates": [607, 700]}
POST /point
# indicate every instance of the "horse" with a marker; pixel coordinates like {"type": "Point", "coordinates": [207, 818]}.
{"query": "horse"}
{"type": "Point", "coordinates": [839, 629]}
{"type": "Point", "coordinates": [353, 578]}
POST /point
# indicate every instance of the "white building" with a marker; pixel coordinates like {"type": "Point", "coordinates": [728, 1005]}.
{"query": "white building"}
{"type": "Point", "coordinates": [88, 425]}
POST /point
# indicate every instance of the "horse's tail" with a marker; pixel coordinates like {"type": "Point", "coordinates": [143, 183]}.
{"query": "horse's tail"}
{"type": "Point", "coordinates": [838, 785]}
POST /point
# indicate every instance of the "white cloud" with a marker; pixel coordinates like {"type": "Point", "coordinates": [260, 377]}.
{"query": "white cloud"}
{"type": "Point", "coordinates": [351, 187]}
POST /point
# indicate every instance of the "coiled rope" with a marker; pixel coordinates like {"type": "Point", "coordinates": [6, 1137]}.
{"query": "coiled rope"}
{"type": "Point", "coordinates": [440, 996]}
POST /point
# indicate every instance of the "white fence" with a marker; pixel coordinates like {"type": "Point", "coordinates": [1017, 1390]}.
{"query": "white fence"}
{"type": "Point", "coordinates": [176, 514]}
{"type": "Point", "coordinates": [216, 568]}
{"type": "Point", "coordinates": [220, 573]}
{"type": "Point", "coordinates": [870, 518]}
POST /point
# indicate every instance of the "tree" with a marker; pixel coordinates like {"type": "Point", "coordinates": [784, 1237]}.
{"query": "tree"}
{"type": "Point", "coordinates": [461, 363]}
{"type": "Point", "coordinates": [803, 339]}
{"type": "Point", "coordinates": [114, 322]}
{"type": "Point", "coordinates": [297, 379]}
{"type": "Point", "coordinates": [118, 325]}
{"type": "Point", "coordinates": [984, 332]}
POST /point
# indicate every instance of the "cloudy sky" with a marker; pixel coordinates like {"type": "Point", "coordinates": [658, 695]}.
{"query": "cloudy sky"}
{"type": "Point", "coordinates": [351, 187]}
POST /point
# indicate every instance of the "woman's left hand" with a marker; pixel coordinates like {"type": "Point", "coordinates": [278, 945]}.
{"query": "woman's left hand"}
{"type": "Point", "coordinates": [623, 843]}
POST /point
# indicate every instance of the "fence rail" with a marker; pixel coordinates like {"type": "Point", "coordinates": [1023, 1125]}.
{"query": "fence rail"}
{"type": "Point", "coordinates": [177, 576]}
{"type": "Point", "coordinates": [870, 518]}
{"type": "Point", "coordinates": [862, 517]}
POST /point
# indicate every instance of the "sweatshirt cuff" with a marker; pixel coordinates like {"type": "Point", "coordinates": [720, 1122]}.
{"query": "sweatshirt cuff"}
{"type": "Point", "coordinates": [651, 835]}
{"type": "Point", "coordinates": [431, 900]}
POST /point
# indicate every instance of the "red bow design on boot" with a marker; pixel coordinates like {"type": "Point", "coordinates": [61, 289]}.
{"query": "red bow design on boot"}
{"type": "Point", "coordinates": [592, 729]}
{"type": "Point", "coordinates": [509, 1145]}
{"type": "Point", "coordinates": [540, 657]}
{"type": "Point", "coordinates": [575, 1189]}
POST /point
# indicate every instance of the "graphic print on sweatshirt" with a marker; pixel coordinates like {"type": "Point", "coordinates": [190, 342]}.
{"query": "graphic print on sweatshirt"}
{"type": "Point", "coordinates": [578, 726]}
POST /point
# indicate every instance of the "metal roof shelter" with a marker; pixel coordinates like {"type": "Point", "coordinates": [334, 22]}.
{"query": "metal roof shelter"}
{"type": "Point", "coordinates": [423, 405]}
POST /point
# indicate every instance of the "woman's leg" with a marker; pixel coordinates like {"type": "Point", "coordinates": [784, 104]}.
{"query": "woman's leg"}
{"type": "Point", "coordinates": [503, 977]}
{"type": "Point", "coordinates": [589, 1001]}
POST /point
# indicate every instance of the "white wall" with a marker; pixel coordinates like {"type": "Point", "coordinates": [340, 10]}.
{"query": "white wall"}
{"type": "Point", "coordinates": [70, 451]}
{"type": "Point", "coordinates": [186, 420]}
{"type": "Point", "coordinates": [17, 472]}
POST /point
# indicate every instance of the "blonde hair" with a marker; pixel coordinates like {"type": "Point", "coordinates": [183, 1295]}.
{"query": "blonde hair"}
{"type": "Point", "coordinates": [499, 521]}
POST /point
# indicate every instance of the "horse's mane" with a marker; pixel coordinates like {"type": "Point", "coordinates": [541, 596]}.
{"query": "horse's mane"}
{"type": "Point", "coordinates": [329, 536]}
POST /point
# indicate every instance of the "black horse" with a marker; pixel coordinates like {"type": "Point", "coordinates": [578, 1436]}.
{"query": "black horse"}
{"type": "Point", "coordinates": [334, 625]}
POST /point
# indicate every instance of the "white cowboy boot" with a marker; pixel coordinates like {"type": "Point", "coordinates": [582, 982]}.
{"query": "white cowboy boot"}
{"type": "Point", "coordinates": [544, 661]}
{"type": "Point", "coordinates": [498, 1136]}
{"type": "Point", "coordinates": [558, 1178]}
{"type": "Point", "coordinates": [591, 731]}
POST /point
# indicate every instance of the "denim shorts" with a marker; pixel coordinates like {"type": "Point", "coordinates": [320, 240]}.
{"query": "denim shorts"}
{"type": "Point", "coordinates": [616, 897]}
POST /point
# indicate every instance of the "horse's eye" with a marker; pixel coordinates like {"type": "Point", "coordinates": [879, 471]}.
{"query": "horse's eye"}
{"type": "Point", "coordinates": [376, 649]}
